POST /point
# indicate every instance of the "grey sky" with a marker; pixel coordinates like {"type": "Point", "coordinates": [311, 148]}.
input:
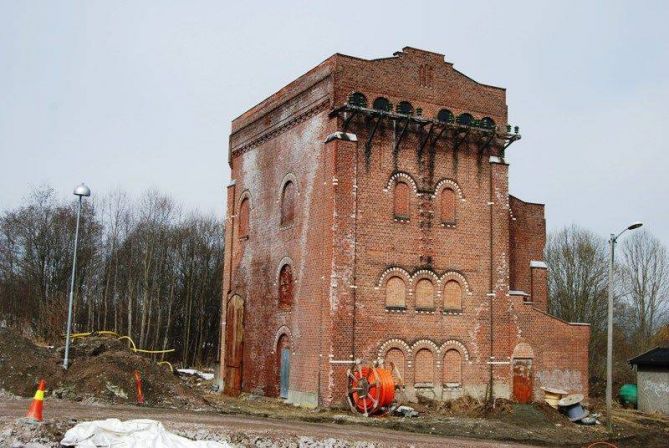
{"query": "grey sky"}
{"type": "Point", "coordinates": [140, 94]}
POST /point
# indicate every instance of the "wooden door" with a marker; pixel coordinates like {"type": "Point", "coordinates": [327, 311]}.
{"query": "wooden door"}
{"type": "Point", "coordinates": [284, 372]}
{"type": "Point", "coordinates": [234, 345]}
{"type": "Point", "coordinates": [522, 380]}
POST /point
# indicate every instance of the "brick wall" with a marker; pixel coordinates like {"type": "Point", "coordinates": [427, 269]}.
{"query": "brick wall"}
{"type": "Point", "coordinates": [347, 239]}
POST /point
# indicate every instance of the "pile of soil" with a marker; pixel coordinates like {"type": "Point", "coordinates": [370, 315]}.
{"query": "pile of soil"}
{"type": "Point", "coordinates": [101, 369]}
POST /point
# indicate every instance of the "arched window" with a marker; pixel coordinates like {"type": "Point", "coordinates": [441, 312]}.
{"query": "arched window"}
{"type": "Point", "coordinates": [447, 204]}
{"type": "Point", "coordinates": [487, 123]}
{"type": "Point", "coordinates": [445, 116]}
{"type": "Point", "coordinates": [452, 295]}
{"type": "Point", "coordinates": [424, 294]}
{"type": "Point", "coordinates": [401, 195]}
{"type": "Point", "coordinates": [357, 99]}
{"type": "Point", "coordinates": [395, 293]}
{"type": "Point", "coordinates": [286, 285]}
{"type": "Point", "coordinates": [424, 367]}
{"type": "Point", "coordinates": [395, 360]}
{"type": "Point", "coordinates": [452, 368]}
{"type": "Point", "coordinates": [383, 104]}
{"type": "Point", "coordinates": [288, 203]}
{"type": "Point", "coordinates": [404, 107]}
{"type": "Point", "coordinates": [244, 218]}
{"type": "Point", "coordinates": [465, 119]}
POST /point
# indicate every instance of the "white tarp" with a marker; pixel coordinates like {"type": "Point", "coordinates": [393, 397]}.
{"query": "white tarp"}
{"type": "Point", "coordinates": [129, 434]}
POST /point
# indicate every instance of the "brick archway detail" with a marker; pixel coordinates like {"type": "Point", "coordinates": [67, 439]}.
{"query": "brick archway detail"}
{"type": "Point", "coordinates": [455, 345]}
{"type": "Point", "coordinates": [395, 343]}
{"type": "Point", "coordinates": [284, 261]}
{"type": "Point", "coordinates": [401, 176]}
{"type": "Point", "coordinates": [283, 330]}
{"type": "Point", "coordinates": [458, 277]}
{"type": "Point", "coordinates": [393, 271]}
{"type": "Point", "coordinates": [448, 183]}
{"type": "Point", "coordinates": [245, 195]}
{"type": "Point", "coordinates": [421, 274]}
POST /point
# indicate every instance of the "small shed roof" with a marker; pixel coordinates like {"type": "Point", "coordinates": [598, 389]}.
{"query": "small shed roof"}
{"type": "Point", "coordinates": [657, 357]}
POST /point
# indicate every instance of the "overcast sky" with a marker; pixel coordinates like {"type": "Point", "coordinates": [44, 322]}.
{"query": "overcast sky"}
{"type": "Point", "coordinates": [139, 94]}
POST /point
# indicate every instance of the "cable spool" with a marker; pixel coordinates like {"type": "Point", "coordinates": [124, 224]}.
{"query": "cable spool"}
{"type": "Point", "coordinates": [371, 389]}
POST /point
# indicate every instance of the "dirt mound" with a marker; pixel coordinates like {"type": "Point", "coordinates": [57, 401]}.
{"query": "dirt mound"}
{"type": "Point", "coordinates": [101, 369]}
{"type": "Point", "coordinates": [23, 364]}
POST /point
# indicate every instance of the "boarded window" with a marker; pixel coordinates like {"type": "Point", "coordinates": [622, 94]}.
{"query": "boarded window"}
{"type": "Point", "coordinates": [452, 295]}
{"type": "Point", "coordinates": [395, 293]}
{"type": "Point", "coordinates": [288, 203]}
{"type": "Point", "coordinates": [401, 200]}
{"type": "Point", "coordinates": [424, 366]}
{"type": "Point", "coordinates": [286, 285]}
{"type": "Point", "coordinates": [447, 206]}
{"type": "Point", "coordinates": [424, 294]}
{"type": "Point", "coordinates": [395, 361]}
{"type": "Point", "coordinates": [452, 367]}
{"type": "Point", "coordinates": [244, 219]}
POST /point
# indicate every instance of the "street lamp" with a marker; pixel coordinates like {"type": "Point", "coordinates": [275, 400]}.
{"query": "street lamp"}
{"type": "Point", "coordinates": [80, 190]}
{"type": "Point", "coordinates": [609, 342]}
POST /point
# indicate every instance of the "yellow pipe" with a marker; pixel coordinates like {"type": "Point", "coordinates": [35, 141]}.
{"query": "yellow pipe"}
{"type": "Point", "coordinates": [168, 363]}
{"type": "Point", "coordinates": [134, 347]}
{"type": "Point", "coordinates": [139, 350]}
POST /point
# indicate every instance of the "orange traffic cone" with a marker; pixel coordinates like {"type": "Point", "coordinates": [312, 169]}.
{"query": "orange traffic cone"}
{"type": "Point", "coordinates": [35, 410]}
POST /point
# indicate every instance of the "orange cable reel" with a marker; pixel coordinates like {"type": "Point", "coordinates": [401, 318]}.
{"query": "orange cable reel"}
{"type": "Point", "coordinates": [371, 389]}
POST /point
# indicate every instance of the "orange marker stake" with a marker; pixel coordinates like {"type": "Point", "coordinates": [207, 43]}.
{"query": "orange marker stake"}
{"type": "Point", "coordinates": [138, 383]}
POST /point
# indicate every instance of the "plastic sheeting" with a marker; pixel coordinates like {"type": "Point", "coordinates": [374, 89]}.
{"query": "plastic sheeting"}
{"type": "Point", "coordinates": [130, 434]}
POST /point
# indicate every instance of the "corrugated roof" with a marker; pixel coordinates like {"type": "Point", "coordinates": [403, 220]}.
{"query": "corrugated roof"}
{"type": "Point", "coordinates": [657, 357]}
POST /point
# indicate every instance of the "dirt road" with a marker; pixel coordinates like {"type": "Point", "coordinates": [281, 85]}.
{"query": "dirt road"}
{"type": "Point", "coordinates": [203, 423]}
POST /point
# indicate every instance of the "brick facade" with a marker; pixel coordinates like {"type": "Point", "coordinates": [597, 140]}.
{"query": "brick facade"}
{"type": "Point", "coordinates": [403, 241]}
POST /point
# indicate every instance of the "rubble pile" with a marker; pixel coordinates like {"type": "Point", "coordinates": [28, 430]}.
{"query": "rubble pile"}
{"type": "Point", "coordinates": [101, 369]}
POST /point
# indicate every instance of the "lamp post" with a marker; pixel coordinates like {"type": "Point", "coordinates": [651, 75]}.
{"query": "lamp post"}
{"type": "Point", "coordinates": [80, 190]}
{"type": "Point", "coordinates": [609, 341]}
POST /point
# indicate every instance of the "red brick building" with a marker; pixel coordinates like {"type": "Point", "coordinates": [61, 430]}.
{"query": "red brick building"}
{"type": "Point", "coordinates": [369, 217]}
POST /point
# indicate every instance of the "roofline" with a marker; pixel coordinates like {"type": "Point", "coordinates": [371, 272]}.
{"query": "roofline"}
{"type": "Point", "coordinates": [527, 202]}
{"type": "Point", "coordinates": [646, 352]}
{"type": "Point", "coordinates": [282, 88]}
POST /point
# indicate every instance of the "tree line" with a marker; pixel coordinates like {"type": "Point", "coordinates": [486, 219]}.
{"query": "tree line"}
{"type": "Point", "coordinates": [578, 263]}
{"type": "Point", "coordinates": [145, 269]}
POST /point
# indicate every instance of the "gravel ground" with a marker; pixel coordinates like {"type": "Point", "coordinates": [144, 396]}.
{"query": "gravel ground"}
{"type": "Point", "coordinates": [239, 431]}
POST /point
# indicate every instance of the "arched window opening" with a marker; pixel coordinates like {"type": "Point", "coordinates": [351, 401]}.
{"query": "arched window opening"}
{"type": "Point", "coordinates": [286, 286]}
{"type": "Point", "coordinates": [244, 219]}
{"type": "Point", "coordinates": [383, 104]}
{"type": "Point", "coordinates": [424, 367]}
{"type": "Point", "coordinates": [424, 294]}
{"type": "Point", "coordinates": [447, 204]}
{"type": "Point", "coordinates": [395, 360]}
{"type": "Point", "coordinates": [452, 368]}
{"type": "Point", "coordinates": [445, 116]}
{"type": "Point", "coordinates": [402, 193]}
{"type": "Point", "coordinates": [452, 295]}
{"type": "Point", "coordinates": [288, 203]}
{"type": "Point", "coordinates": [395, 293]}
{"type": "Point", "coordinates": [357, 99]}
{"type": "Point", "coordinates": [487, 123]}
{"type": "Point", "coordinates": [465, 119]}
{"type": "Point", "coordinates": [404, 107]}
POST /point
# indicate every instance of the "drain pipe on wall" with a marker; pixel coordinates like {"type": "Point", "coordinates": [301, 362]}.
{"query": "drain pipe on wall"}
{"type": "Point", "coordinates": [491, 381]}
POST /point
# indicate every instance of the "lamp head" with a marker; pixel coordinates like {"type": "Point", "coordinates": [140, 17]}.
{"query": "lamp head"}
{"type": "Point", "coordinates": [81, 190]}
{"type": "Point", "coordinates": [634, 225]}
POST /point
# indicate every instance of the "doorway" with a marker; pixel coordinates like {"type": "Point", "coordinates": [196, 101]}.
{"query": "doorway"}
{"type": "Point", "coordinates": [234, 345]}
{"type": "Point", "coordinates": [283, 350]}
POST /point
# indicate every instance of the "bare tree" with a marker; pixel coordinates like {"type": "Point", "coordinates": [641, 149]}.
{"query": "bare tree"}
{"type": "Point", "coordinates": [644, 270]}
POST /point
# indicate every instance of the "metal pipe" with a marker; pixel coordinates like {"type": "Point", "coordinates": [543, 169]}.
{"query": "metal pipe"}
{"type": "Point", "coordinates": [69, 306]}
